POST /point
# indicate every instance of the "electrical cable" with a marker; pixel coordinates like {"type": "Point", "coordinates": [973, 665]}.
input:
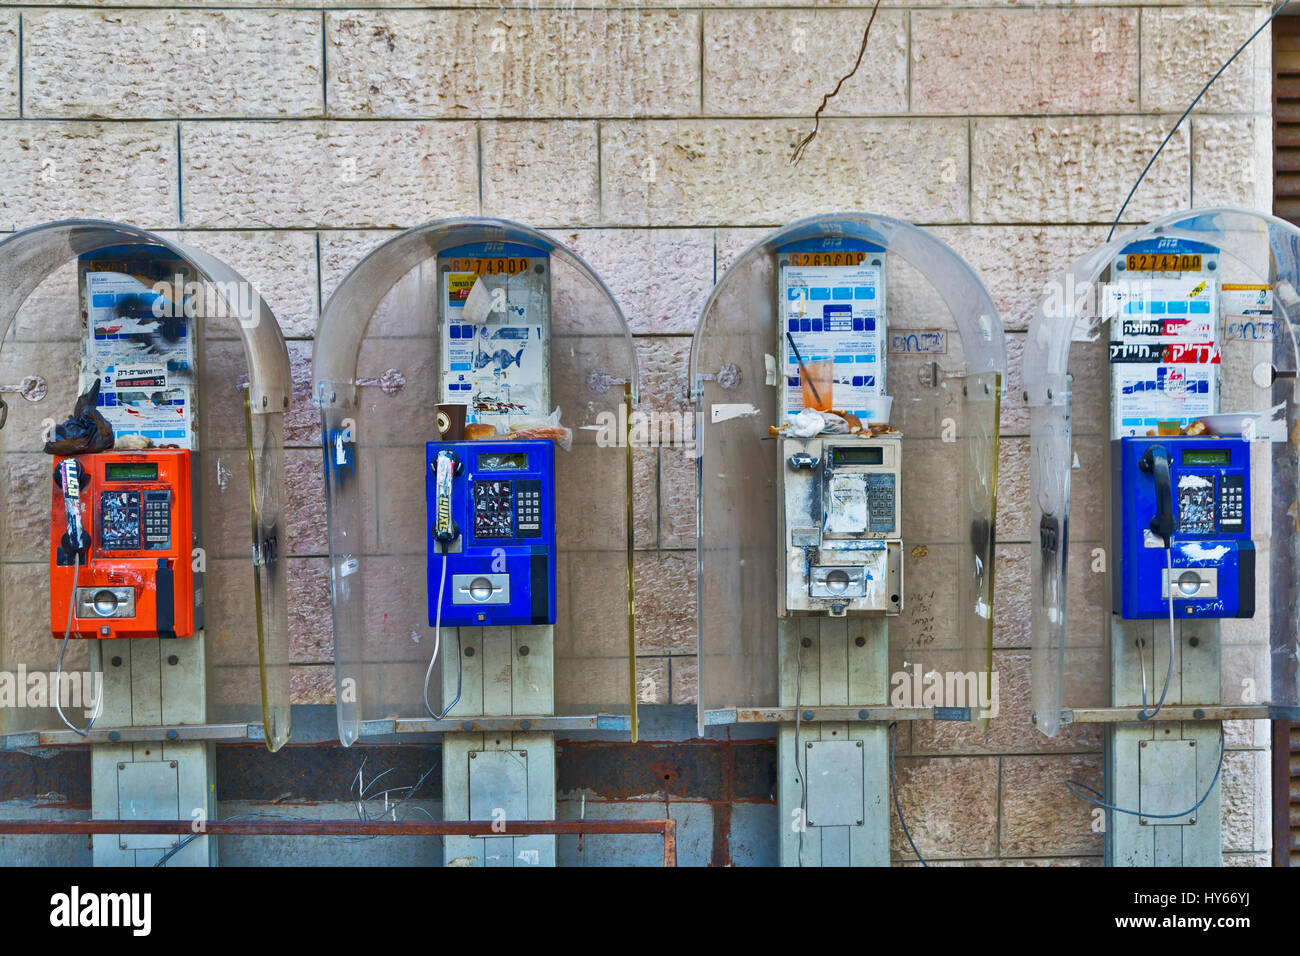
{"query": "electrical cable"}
{"type": "Point", "coordinates": [1073, 784]}
{"type": "Point", "coordinates": [1143, 714]}
{"type": "Point", "coordinates": [437, 640]}
{"type": "Point", "coordinates": [1205, 89]}
{"type": "Point", "coordinates": [63, 649]}
{"type": "Point", "coordinates": [802, 776]}
{"type": "Point", "coordinates": [893, 786]}
{"type": "Point", "coordinates": [190, 838]}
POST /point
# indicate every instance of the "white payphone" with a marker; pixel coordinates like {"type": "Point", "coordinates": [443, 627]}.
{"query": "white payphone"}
{"type": "Point", "coordinates": [840, 519]}
{"type": "Point", "coordinates": [805, 453]}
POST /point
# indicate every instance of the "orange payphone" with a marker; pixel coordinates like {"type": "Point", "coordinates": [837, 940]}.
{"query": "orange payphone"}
{"type": "Point", "coordinates": [121, 534]}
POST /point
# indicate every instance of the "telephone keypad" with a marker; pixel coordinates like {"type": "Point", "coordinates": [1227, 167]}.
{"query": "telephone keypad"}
{"type": "Point", "coordinates": [157, 520]}
{"type": "Point", "coordinates": [880, 492]}
{"type": "Point", "coordinates": [528, 507]}
{"type": "Point", "coordinates": [1232, 503]}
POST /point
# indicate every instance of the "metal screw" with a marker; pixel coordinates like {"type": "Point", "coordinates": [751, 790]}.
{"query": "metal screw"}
{"type": "Point", "coordinates": [121, 845]}
{"type": "Point", "coordinates": [117, 662]}
{"type": "Point", "coordinates": [1194, 641]}
{"type": "Point", "coordinates": [525, 724]}
{"type": "Point", "coordinates": [172, 735]}
{"type": "Point", "coordinates": [468, 725]}
{"type": "Point", "coordinates": [173, 660]}
{"type": "Point", "coordinates": [523, 650]}
{"type": "Point", "coordinates": [469, 652]}
{"type": "Point", "coordinates": [807, 715]}
{"type": "Point", "coordinates": [1142, 822]}
{"type": "Point", "coordinates": [1192, 742]}
{"type": "Point", "coordinates": [1192, 820]}
{"type": "Point", "coordinates": [859, 747]}
{"type": "Point", "coordinates": [862, 715]}
{"type": "Point", "coordinates": [473, 755]}
{"type": "Point", "coordinates": [859, 823]}
{"type": "Point", "coordinates": [1143, 744]}
{"type": "Point", "coordinates": [806, 642]}
{"type": "Point", "coordinates": [1198, 713]}
{"type": "Point", "coordinates": [860, 641]}
{"type": "Point", "coordinates": [113, 735]}
{"type": "Point", "coordinates": [809, 745]}
{"type": "Point", "coordinates": [121, 766]}
{"type": "Point", "coordinates": [173, 764]}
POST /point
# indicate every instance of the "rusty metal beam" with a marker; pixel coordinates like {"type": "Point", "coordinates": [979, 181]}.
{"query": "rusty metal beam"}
{"type": "Point", "coordinates": [836, 714]}
{"type": "Point", "coordinates": [667, 829]}
{"type": "Point", "coordinates": [1129, 715]}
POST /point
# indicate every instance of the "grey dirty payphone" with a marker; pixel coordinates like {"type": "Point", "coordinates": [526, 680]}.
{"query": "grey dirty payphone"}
{"type": "Point", "coordinates": [1182, 330]}
{"type": "Point", "coordinates": [847, 375]}
{"type": "Point", "coordinates": [138, 349]}
{"type": "Point", "coordinates": [479, 375]}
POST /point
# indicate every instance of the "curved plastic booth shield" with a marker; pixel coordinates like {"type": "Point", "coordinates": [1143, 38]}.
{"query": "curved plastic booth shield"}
{"type": "Point", "coordinates": [946, 363]}
{"type": "Point", "coordinates": [246, 636]}
{"type": "Point", "coordinates": [375, 377]}
{"type": "Point", "coordinates": [1066, 376]}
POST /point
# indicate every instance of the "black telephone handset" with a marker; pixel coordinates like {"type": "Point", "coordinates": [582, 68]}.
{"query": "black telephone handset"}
{"type": "Point", "coordinates": [76, 540]}
{"type": "Point", "coordinates": [1156, 463]}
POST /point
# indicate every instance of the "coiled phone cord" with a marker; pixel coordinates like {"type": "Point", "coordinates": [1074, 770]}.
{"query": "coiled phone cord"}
{"type": "Point", "coordinates": [63, 649]}
{"type": "Point", "coordinates": [1169, 671]}
{"type": "Point", "coordinates": [437, 640]}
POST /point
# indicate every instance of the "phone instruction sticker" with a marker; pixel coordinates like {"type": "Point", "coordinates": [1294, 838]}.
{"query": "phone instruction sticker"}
{"type": "Point", "coordinates": [496, 367]}
{"type": "Point", "coordinates": [1164, 351]}
{"type": "Point", "coordinates": [835, 314]}
{"type": "Point", "coordinates": [130, 323]}
{"type": "Point", "coordinates": [140, 400]}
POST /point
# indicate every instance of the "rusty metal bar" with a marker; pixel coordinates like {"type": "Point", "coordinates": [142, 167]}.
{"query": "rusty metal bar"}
{"type": "Point", "coordinates": [667, 829]}
{"type": "Point", "coordinates": [670, 842]}
{"type": "Point", "coordinates": [1126, 715]}
{"type": "Point", "coordinates": [833, 714]}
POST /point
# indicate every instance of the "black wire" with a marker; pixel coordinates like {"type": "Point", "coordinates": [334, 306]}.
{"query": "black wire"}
{"type": "Point", "coordinates": [1073, 784]}
{"type": "Point", "coordinates": [799, 773]}
{"type": "Point", "coordinates": [893, 785]}
{"type": "Point", "coordinates": [1204, 89]}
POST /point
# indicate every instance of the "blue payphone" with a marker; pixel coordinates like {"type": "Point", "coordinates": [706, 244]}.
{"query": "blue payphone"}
{"type": "Point", "coordinates": [1183, 533]}
{"type": "Point", "coordinates": [492, 533]}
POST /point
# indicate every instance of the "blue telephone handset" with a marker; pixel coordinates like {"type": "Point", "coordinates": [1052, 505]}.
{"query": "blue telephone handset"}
{"type": "Point", "coordinates": [492, 520]}
{"type": "Point", "coordinates": [1189, 497]}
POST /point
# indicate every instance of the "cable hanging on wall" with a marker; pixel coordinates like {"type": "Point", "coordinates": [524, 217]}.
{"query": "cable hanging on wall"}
{"type": "Point", "coordinates": [1191, 106]}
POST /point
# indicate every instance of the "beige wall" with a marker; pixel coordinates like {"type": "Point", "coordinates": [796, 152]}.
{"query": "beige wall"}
{"type": "Point", "coordinates": [653, 139]}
